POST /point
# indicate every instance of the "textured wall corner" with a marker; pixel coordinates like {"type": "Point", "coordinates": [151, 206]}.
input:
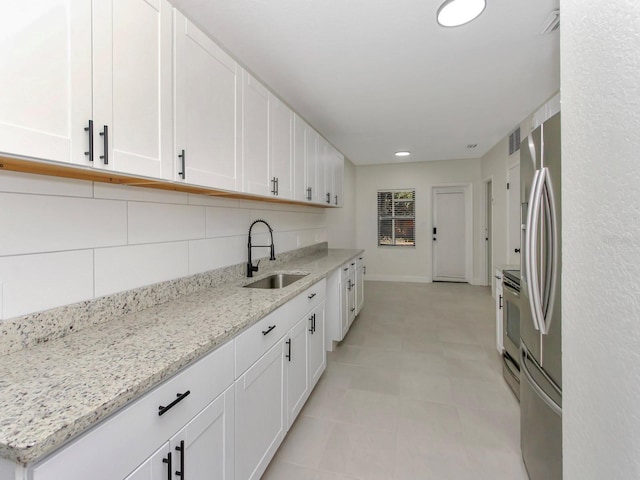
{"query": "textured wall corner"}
{"type": "Point", "coordinates": [600, 65]}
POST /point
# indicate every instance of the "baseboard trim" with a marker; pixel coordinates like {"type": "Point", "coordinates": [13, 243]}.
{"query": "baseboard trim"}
{"type": "Point", "coordinates": [397, 278]}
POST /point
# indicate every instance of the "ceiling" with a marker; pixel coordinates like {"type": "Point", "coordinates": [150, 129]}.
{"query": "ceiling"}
{"type": "Point", "coordinates": [378, 76]}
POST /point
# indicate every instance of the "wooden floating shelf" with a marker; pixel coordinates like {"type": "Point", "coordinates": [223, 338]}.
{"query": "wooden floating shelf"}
{"type": "Point", "coordinates": [79, 172]}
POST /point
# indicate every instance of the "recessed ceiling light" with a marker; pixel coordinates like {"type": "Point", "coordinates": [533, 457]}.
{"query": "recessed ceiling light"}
{"type": "Point", "coordinates": [453, 13]}
{"type": "Point", "coordinates": [403, 153]}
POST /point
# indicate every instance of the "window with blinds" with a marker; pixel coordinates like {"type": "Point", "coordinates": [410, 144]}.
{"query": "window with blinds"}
{"type": "Point", "coordinates": [397, 218]}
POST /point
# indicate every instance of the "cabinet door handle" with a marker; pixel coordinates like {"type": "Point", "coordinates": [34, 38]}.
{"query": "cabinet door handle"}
{"type": "Point", "coordinates": [309, 193]}
{"type": "Point", "coordinates": [169, 466]}
{"type": "Point", "coordinates": [264, 332]}
{"type": "Point", "coordinates": [180, 473]}
{"type": "Point", "coordinates": [500, 302]}
{"type": "Point", "coordinates": [311, 296]}
{"type": "Point", "coordinates": [90, 130]}
{"type": "Point", "coordinates": [329, 198]}
{"type": "Point", "coordinates": [353, 309]}
{"type": "Point", "coordinates": [353, 264]}
{"type": "Point", "coordinates": [336, 199]}
{"type": "Point", "coordinates": [183, 158]}
{"type": "Point", "coordinates": [181, 396]}
{"type": "Point", "coordinates": [314, 323]}
{"type": "Point", "coordinates": [273, 182]}
{"type": "Point", "coordinates": [277, 186]}
{"type": "Point", "coordinates": [364, 270]}
{"type": "Point", "coordinates": [346, 269]}
{"type": "Point", "coordinates": [288, 355]}
{"type": "Point", "coordinates": [105, 134]}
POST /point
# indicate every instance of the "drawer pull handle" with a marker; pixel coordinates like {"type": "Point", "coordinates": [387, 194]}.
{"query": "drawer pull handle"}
{"type": "Point", "coordinates": [180, 473]}
{"type": "Point", "coordinates": [312, 319]}
{"type": "Point", "coordinates": [311, 296]}
{"type": "Point", "coordinates": [288, 355]}
{"type": "Point", "coordinates": [264, 332]}
{"type": "Point", "coordinates": [353, 309]}
{"type": "Point", "coordinates": [90, 130]}
{"type": "Point", "coordinates": [105, 134]}
{"type": "Point", "coordinates": [346, 269]}
{"type": "Point", "coordinates": [181, 396]}
{"type": "Point", "coordinates": [353, 264]}
{"type": "Point", "coordinates": [169, 467]}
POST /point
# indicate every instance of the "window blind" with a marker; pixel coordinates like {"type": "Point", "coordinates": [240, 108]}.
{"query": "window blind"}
{"type": "Point", "coordinates": [396, 218]}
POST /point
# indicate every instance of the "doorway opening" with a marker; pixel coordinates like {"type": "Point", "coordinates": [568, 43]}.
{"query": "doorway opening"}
{"type": "Point", "coordinates": [488, 231]}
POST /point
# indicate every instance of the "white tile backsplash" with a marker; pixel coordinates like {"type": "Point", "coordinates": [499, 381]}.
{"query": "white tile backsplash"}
{"type": "Point", "coordinates": [64, 240]}
{"type": "Point", "coordinates": [123, 268]}
{"type": "Point", "coordinates": [157, 222]}
{"type": "Point", "coordinates": [226, 221]}
{"type": "Point", "coordinates": [18, 182]}
{"type": "Point", "coordinates": [39, 223]}
{"type": "Point", "coordinates": [139, 194]}
{"type": "Point", "coordinates": [213, 253]}
{"type": "Point", "coordinates": [31, 283]}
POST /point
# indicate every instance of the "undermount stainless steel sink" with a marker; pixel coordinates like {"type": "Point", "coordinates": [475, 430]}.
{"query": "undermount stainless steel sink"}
{"type": "Point", "coordinates": [277, 280]}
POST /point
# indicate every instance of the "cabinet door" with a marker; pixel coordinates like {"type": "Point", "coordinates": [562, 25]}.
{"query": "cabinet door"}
{"type": "Point", "coordinates": [324, 186]}
{"type": "Point", "coordinates": [338, 179]}
{"type": "Point", "coordinates": [345, 293]}
{"type": "Point", "coordinates": [280, 147]}
{"type": "Point", "coordinates": [260, 423]}
{"type": "Point", "coordinates": [45, 79]}
{"type": "Point", "coordinates": [315, 339]}
{"type": "Point", "coordinates": [311, 138]}
{"type": "Point", "coordinates": [156, 467]}
{"type": "Point", "coordinates": [132, 78]}
{"type": "Point", "coordinates": [299, 152]}
{"type": "Point", "coordinates": [499, 311]}
{"type": "Point", "coordinates": [207, 82]}
{"type": "Point", "coordinates": [204, 448]}
{"type": "Point", "coordinates": [255, 136]}
{"type": "Point", "coordinates": [352, 297]}
{"type": "Point", "coordinates": [296, 357]}
{"type": "Point", "coordinates": [359, 288]}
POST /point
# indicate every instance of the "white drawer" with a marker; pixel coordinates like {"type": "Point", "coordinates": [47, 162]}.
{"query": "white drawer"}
{"type": "Point", "coordinates": [308, 300]}
{"type": "Point", "coordinates": [257, 339]}
{"type": "Point", "coordinates": [116, 446]}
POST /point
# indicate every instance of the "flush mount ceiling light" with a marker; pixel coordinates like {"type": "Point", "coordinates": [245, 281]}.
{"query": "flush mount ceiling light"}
{"type": "Point", "coordinates": [403, 153]}
{"type": "Point", "coordinates": [454, 13]}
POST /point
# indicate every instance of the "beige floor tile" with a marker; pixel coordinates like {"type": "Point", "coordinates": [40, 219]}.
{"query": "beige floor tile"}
{"type": "Point", "coordinates": [367, 409]}
{"type": "Point", "coordinates": [305, 441]}
{"type": "Point", "coordinates": [364, 453]}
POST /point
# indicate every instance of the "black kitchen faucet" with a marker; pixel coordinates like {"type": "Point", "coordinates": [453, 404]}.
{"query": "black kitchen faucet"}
{"type": "Point", "coordinates": [250, 267]}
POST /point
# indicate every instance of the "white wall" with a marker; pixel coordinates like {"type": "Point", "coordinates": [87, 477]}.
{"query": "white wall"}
{"type": "Point", "coordinates": [341, 222]}
{"type": "Point", "coordinates": [407, 263]}
{"type": "Point", "coordinates": [63, 241]}
{"type": "Point", "coordinates": [600, 65]}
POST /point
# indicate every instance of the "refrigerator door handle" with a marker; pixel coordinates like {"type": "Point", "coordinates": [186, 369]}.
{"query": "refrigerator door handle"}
{"type": "Point", "coordinates": [524, 356]}
{"type": "Point", "coordinates": [533, 217]}
{"type": "Point", "coordinates": [552, 255]}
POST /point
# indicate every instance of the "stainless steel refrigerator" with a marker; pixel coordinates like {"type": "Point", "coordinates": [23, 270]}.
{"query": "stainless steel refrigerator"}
{"type": "Point", "coordinates": [540, 311]}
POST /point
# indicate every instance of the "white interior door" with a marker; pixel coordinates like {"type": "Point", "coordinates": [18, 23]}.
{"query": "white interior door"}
{"type": "Point", "coordinates": [449, 234]}
{"type": "Point", "coordinates": [513, 209]}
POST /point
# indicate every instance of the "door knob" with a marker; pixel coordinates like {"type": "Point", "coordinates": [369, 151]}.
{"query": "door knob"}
{"type": "Point", "coordinates": [517, 250]}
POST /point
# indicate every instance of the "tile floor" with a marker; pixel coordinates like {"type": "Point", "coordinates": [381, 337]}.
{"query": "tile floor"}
{"type": "Point", "coordinates": [414, 392]}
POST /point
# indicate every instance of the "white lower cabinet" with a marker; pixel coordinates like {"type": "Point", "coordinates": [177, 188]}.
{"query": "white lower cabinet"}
{"type": "Point", "coordinates": [158, 466]}
{"type": "Point", "coordinates": [202, 449]}
{"type": "Point", "coordinates": [361, 270]}
{"type": "Point", "coordinates": [260, 414]}
{"type": "Point", "coordinates": [315, 341]}
{"type": "Point", "coordinates": [296, 368]}
{"type": "Point", "coordinates": [345, 299]}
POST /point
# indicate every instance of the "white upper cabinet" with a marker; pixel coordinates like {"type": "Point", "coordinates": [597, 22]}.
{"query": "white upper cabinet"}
{"type": "Point", "coordinates": [311, 140]}
{"type": "Point", "coordinates": [338, 176]}
{"type": "Point", "coordinates": [255, 136]}
{"type": "Point", "coordinates": [45, 79]}
{"type": "Point", "coordinates": [280, 148]}
{"type": "Point", "coordinates": [132, 103]}
{"type": "Point", "coordinates": [323, 181]}
{"type": "Point", "coordinates": [299, 150]}
{"type": "Point", "coordinates": [207, 82]}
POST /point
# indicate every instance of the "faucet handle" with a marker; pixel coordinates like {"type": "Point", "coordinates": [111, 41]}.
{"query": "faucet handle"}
{"type": "Point", "coordinates": [254, 268]}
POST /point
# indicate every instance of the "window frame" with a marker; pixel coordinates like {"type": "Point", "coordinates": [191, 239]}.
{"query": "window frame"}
{"type": "Point", "coordinates": [393, 217]}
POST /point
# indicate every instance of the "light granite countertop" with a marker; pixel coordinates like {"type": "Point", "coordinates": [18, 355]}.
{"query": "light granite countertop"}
{"type": "Point", "coordinates": [54, 391]}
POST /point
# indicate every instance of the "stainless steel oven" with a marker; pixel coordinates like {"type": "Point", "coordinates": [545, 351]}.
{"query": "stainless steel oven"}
{"type": "Point", "coordinates": [511, 329]}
